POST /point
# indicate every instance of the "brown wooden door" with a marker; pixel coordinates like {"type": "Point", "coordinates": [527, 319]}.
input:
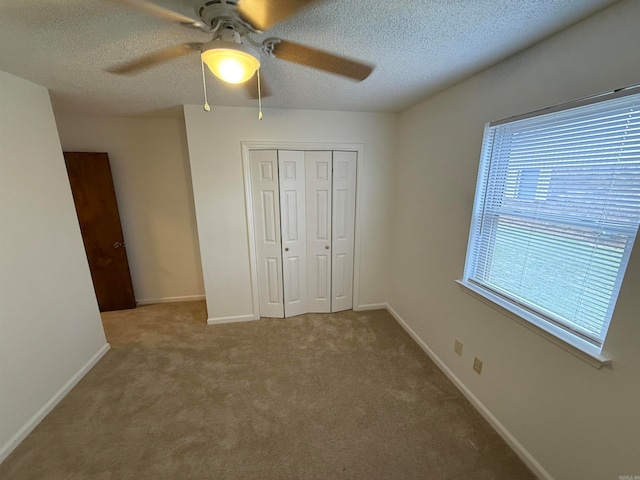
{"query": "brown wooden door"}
{"type": "Point", "coordinates": [97, 209]}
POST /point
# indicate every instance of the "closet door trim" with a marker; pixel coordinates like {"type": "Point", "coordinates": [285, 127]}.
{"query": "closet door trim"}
{"type": "Point", "coordinates": [253, 258]}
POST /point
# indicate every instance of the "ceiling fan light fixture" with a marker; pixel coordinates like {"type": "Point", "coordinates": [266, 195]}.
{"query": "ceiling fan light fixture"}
{"type": "Point", "coordinates": [230, 61]}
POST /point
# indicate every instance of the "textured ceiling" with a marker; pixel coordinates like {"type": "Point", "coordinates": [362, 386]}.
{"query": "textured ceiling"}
{"type": "Point", "coordinates": [418, 46]}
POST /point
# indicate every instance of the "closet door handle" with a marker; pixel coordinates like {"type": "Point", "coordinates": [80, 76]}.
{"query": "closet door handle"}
{"type": "Point", "coordinates": [286, 249]}
{"type": "Point", "coordinates": [327, 247]}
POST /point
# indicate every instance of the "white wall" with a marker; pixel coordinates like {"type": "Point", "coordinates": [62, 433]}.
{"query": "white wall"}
{"type": "Point", "coordinates": [576, 421]}
{"type": "Point", "coordinates": [50, 328]}
{"type": "Point", "coordinates": [150, 168]}
{"type": "Point", "coordinates": [214, 141]}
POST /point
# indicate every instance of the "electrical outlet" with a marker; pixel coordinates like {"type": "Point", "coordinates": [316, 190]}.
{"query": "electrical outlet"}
{"type": "Point", "coordinates": [457, 347]}
{"type": "Point", "coordinates": [477, 365]}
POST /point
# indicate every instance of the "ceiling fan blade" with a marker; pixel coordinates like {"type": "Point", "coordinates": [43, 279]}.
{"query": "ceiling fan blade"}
{"type": "Point", "coordinates": [155, 58]}
{"type": "Point", "coordinates": [251, 88]}
{"type": "Point", "coordinates": [311, 57]}
{"type": "Point", "coordinates": [153, 9]}
{"type": "Point", "coordinates": [263, 14]}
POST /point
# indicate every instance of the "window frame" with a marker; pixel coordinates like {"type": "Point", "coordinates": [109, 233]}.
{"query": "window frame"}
{"type": "Point", "coordinates": [528, 317]}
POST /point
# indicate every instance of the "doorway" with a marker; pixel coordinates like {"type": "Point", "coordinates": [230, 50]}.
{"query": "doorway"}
{"type": "Point", "coordinates": [302, 220]}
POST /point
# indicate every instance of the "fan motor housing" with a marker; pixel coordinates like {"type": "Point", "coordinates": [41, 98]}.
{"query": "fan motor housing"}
{"type": "Point", "coordinates": [212, 11]}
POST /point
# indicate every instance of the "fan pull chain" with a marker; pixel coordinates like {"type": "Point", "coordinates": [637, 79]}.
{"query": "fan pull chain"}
{"type": "Point", "coordinates": [259, 97]}
{"type": "Point", "coordinates": [204, 87]}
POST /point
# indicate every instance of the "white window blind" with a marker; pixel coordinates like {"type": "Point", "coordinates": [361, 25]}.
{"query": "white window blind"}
{"type": "Point", "coordinates": [557, 211]}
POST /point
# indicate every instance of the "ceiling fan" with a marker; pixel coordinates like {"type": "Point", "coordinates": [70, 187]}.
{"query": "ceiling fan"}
{"type": "Point", "coordinates": [232, 54]}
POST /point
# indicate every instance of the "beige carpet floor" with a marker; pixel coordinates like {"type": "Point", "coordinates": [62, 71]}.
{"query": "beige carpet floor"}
{"type": "Point", "coordinates": [341, 396]}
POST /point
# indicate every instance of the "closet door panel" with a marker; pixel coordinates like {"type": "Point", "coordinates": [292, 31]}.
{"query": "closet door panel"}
{"type": "Point", "coordinates": [265, 196]}
{"type": "Point", "coordinates": [294, 236]}
{"type": "Point", "coordinates": [343, 229]}
{"type": "Point", "coordinates": [318, 196]}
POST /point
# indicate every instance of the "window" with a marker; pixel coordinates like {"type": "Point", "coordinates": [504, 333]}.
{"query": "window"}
{"type": "Point", "coordinates": [556, 213]}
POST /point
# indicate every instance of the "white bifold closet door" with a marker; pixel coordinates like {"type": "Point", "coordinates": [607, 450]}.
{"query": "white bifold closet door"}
{"type": "Point", "coordinates": [343, 230]}
{"type": "Point", "coordinates": [265, 194]}
{"type": "Point", "coordinates": [305, 247]}
{"type": "Point", "coordinates": [294, 236]}
{"type": "Point", "coordinates": [319, 179]}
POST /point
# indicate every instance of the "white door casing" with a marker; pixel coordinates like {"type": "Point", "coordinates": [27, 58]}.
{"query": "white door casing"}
{"type": "Point", "coordinates": [343, 229]}
{"type": "Point", "coordinates": [294, 235]}
{"type": "Point", "coordinates": [318, 198]}
{"type": "Point", "coordinates": [265, 196]}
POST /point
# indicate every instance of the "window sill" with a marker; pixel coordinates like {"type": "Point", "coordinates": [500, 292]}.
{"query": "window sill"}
{"type": "Point", "coordinates": [566, 341]}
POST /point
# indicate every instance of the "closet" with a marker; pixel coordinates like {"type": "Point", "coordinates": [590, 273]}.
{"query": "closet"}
{"type": "Point", "coordinates": [303, 205]}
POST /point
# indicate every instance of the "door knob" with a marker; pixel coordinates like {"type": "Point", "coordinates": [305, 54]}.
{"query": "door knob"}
{"type": "Point", "coordinates": [327, 247]}
{"type": "Point", "coordinates": [119, 244]}
{"type": "Point", "coordinates": [286, 249]}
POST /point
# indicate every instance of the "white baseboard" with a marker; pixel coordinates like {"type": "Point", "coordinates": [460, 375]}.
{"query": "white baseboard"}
{"type": "Point", "coordinates": [33, 422]}
{"type": "Point", "coordinates": [517, 447]}
{"type": "Point", "coordinates": [370, 306]}
{"type": "Point", "coordinates": [187, 298]}
{"type": "Point", "coordinates": [235, 319]}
